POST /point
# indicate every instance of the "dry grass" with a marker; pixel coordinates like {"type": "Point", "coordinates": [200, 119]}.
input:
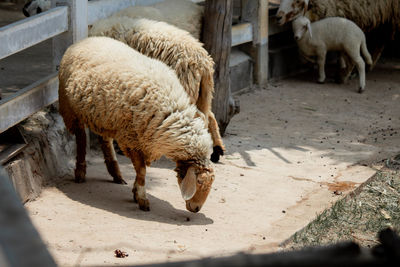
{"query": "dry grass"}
{"type": "Point", "coordinates": [358, 218]}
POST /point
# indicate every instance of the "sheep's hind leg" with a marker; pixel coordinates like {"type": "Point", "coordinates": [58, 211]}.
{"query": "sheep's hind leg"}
{"type": "Point", "coordinates": [110, 159]}
{"type": "Point", "coordinates": [361, 72]}
{"type": "Point", "coordinates": [218, 148]}
{"type": "Point", "coordinates": [321, 66]}
{"type": "Point", "coordinates": [139, 190]}
{"type": "Point", "coordinates": [80, 136]}
{"type": "Point", "coordinates": [345, 72]}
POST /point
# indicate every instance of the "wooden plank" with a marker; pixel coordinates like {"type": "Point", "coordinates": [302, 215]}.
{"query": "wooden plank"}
{"type": "Point", "coordinates": [28, 101]}
{"type": "Point", "coordinates": [20, 243]}
{"type": "Point", "coordinates": [217, 39]}
{"type": "Point", "coordinates": [242, 33]}
{"type": "Point", "coordinates": [102, 9]}
{"type": "Point", "coordinates": [30, 31]}
{"type": "Point", "coordinates": [261, 42]}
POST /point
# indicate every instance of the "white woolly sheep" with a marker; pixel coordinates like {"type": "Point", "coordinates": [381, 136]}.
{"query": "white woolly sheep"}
{"type": "Point", "coordinates": [123, 95]}
{"type": "Point", "coordinates": [183, 14]}
{"type": "Point", "coordinates": [179, 50]}
{"type": "Point", "coordinates": [332, 34]}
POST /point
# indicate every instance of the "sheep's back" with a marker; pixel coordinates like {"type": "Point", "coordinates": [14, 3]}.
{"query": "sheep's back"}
{"type": "Point", "coordinates": [367, 14]}
{"type": "Point", "coordinates": [334, 31]}
{"type": "Point", "coordinates": [109, 86]}
{"type": "Point", "coordinates": [176, 48]}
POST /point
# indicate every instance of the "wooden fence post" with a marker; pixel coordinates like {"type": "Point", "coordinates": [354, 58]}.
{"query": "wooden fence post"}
{"type": "Point", "coordinates": [217, 38]}
{"type": "Point", "coordinates": [261, 43]}
{"type": "Point", "coordinates": [256, 12]}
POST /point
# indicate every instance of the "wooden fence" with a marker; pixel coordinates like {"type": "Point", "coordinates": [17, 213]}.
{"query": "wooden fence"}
{"type": "Point", "coordinates": [68, 22]}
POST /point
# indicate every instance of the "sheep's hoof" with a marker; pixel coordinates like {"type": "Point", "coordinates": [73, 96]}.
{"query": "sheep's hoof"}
{"type": "Point", "coordinates": [79, 180]}
{"type": "Point", "coordinates": [217, 152]}
{"type": "Point", "coordinates": [119, 180]}
{"type": "Point", "coordinates": [80, 173]}
{"type": "Point", "coordinates": [321, 82]}
{"type": "Point", "coordinates": [144, 204]}
{"type": "Point", "coordinates": [361, 90]}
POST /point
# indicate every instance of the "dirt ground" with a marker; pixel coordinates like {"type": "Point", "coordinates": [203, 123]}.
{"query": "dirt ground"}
{"type": "Point", "coordinates": [295, 148]}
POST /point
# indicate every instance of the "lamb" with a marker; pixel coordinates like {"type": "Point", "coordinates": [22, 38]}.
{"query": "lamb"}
{"type": "Point", "coordinates": [380, 19]}
{"type": "Point", "coordinates": [179, 50]}
{"type": "Point", "coordinates": [123, 95]}
{"type": "Point", "coordinates": [332, 34]}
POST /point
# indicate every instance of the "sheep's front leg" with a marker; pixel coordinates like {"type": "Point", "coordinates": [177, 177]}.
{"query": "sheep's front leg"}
{"type": "Point", "coordinates": [80, 137]}
{"type": "Point", "coordinates": [139, 190]}
{"type": "Point", "coordinates": [321, 66]}
{"type": "Point", "coordinates": [346, 68]}
{"type": "Point", "coordinates": [356, 57]}
{"type": "Point", "coordinates": [110, 159]}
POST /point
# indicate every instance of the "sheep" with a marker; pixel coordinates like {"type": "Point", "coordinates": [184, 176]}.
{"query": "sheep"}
{"type": "Point", "coordinates": [332, 34]}
{"type": "Point", "coordinates": [35, 7]}
{"type": "Point", "coordinates": [183, 14]}
{"type": "Point", "coordinates": [380, 19]}
{"type": "Point", "coordinates": [177, 49]}
{"type": "Point", "coordinates": [123, 95]}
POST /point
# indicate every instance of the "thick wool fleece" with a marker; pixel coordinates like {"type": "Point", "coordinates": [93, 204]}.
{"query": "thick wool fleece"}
{"type": "Point", "coordinates": [183, 14]}
{"type": "Point", "coordinates": [175, 47]}
{"type": "Point", "coordinates": [367, 14]}
{"type": "Point", "coordinates": [138, 101]}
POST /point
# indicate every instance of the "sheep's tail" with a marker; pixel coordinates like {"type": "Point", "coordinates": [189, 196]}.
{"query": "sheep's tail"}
{"type": "Point", "coordinates": [366, 54]}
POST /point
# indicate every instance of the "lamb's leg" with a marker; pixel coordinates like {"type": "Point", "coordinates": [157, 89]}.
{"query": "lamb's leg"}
{"type": "Point", "coordinates": [110, 159]}
{"type": "Point", "coordinates": [357, 59]}
{"type": "Point", "coordinates": [321, 66]}
{"type": "Point", "coordinates": [139, 190]}
{"type": "Point", "coordinates": [346, 72]}
{"type": "Point", "coordinates": [80, 136]}
{"type": "Point", "coordinates": [219, 148]}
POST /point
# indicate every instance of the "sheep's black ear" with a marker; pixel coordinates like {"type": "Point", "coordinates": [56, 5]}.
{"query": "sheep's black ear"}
{"type": "Point", "coordinates": [181, 169]}
{"type": "Point", "coordinates": [24, 9]}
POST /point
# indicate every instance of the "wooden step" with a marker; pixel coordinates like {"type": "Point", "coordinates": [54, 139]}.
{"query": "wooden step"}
{"type": "Point", "coordinates": [241, 70]}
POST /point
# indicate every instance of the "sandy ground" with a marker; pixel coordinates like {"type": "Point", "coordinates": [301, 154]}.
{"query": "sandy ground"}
{"type": "Point", "coordinates": [295, 148]}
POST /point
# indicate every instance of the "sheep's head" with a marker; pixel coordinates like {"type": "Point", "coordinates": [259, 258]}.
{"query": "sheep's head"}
{"type": "Point", "coordinates": [195, 182]}
{"type": "Point", "coordinates": [35, 7]}
{"type": "Point", "coordinates": [300, 26]}
{"type": "Point", "coordinates": [290, 9]}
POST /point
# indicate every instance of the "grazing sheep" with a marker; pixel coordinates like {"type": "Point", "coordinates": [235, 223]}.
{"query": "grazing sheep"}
{"type": "Point", "coordinates": [179, 50]}
{"type": "Point", "coordinates": [332, 34]}
{"type": "Point", "coordinates": [380, 19]}
{"type": "Point", "coordinates": [123, 95]}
